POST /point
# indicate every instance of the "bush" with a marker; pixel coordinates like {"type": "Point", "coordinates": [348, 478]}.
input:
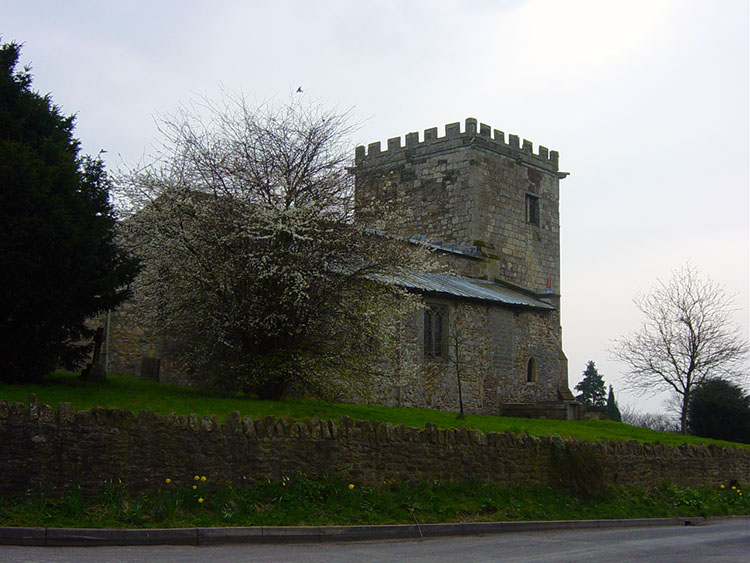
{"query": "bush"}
{"type": "Point", "coordinates": [721, 410]}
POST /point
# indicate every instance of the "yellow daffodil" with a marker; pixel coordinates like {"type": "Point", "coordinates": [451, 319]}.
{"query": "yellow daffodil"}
{"type": "Point", "coordinates": [201, 499]}
{"type": "Point", "coordinates": [167, 480]}
{"type": "Point", "coordinates": [351, 486]}
{"type": "Point", "coordinates": [722, 486]}
{"type": "Point", "coordinates": [196, 478]}
{"type": "Point", "coordinates": [195, 487]}
{"type": "Point", "coordinates": [203, 478]}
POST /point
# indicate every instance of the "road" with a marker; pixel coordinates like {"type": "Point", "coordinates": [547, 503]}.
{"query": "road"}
{"type": "Point", "coordinates": [725, 540]}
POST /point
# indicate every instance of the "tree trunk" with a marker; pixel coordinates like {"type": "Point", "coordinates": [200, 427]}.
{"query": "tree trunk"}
{"type": "Point", "coordinates": [683, 414]}
{"type": "Point", "coordinates": [460, 396]}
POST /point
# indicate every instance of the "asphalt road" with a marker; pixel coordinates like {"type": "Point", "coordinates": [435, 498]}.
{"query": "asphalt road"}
{"type": "Point", "coordinates": [725, 540]}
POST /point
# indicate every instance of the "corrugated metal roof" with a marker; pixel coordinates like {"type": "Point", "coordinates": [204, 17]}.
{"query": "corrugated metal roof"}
{"type": "Point", "coordinates": [469, 288]}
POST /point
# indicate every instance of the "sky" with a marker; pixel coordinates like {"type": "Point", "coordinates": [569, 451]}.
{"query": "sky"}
{"type": "Point", "coordinates": [646, 101]}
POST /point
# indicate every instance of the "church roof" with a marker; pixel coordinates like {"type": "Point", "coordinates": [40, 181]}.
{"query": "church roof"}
{"type": "Point", "coordinates": [470, 288]}
{"type": "Point", "coordinates": [471, 251]}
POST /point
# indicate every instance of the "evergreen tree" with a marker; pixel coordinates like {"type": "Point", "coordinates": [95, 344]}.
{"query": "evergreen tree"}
{"type": "Point", "coordinates": [591, 387]}
{"type": "Point", "coordinates": [720, 409]}
{"type": "Point", "coordinates": [59, 264]}
{"type": "Point", "coordinates": [613, 411]}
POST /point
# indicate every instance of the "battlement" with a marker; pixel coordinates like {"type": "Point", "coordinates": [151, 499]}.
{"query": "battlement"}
{"type": "Point", "coordinates": [483, 137]}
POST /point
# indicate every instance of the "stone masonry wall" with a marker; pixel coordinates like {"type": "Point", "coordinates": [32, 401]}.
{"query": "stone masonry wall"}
{"type": "Point", "coordinates": [131, 339]}
{"type": "Point", "coordinates": [63, 448]}
{"type": "Point", "coordinates": [495, 345]}
{"type": "Point", "coordinates": [469, 188]}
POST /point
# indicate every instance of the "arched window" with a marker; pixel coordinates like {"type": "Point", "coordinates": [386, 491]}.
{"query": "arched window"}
{"type": "Point", "coordinates": [435, 325]}
{"type": "Point", "coordinates": [531, 370]}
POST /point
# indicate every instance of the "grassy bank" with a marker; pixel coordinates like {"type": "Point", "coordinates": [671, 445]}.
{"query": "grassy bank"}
{"type": "Point", "coordinates": [134, 394]}
{"type": "Point", "coordinates": [299, 501]}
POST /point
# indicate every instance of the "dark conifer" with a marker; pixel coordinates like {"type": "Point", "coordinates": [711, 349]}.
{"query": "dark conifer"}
{"type": "Point", "coordinates": [591, 387]}
{"type": "Point", "coordinates": [613, 411]}
{"type": "Point", "coordinates": [59, 263]}
{"type": "Point", "coordinates": [720, 409]}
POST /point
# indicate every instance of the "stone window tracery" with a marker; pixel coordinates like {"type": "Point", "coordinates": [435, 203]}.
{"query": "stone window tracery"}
{"type": "Point", "coordinates": [435, 330]}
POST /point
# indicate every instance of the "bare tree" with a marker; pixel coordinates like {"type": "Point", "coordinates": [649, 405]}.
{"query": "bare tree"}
{"type": "Point", "coordinates": [252, 264]}
{"type": "Point", "coordinates": [458, 343]}
{"type": "Point", "coordinates": [686, 337]}
{"type": "Point", "coordinates": [660, 422]}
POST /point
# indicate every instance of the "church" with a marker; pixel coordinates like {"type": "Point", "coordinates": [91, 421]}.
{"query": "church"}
{"type": "Point", "coordinates": [490, 321]}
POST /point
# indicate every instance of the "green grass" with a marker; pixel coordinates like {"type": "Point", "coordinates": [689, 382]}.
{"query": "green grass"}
{"type": "Point", "coordinates": [295, 500]}
{"type": "Point", "coordinates": [298, 501]}
{"type": "Point", "coordinates": [134, 394]}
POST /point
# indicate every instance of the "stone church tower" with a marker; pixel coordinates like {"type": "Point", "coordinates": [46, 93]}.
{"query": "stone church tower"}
{"type": "Point", "coordinates": [471, 188]}
{"type": "Point", "coordinates": [475, 195]}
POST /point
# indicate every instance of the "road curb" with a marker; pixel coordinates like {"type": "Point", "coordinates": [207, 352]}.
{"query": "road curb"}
{"type": "Point", "coordinates": [89, 537]}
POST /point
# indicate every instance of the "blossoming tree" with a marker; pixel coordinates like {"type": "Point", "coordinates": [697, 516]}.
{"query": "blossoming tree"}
{"type": "Point", "coordinates": [253, 265]}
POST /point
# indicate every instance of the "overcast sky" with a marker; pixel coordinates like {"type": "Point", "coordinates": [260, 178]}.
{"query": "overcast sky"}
{"type": "Point", "coordinates": [646, 101]}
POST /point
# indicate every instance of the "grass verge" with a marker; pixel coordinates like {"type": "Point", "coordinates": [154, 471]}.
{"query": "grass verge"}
{"type": "Point", "coordinates": [298, 501]}
{"type": "Point", "coordinates": [134, 395]}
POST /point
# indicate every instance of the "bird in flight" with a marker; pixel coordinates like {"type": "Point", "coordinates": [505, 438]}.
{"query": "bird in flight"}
{"type": "Point", "coordinates": [299, 90]}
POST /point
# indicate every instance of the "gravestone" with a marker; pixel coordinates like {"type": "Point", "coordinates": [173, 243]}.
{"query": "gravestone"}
{"type": "Point", "coordinates": [95, 370]}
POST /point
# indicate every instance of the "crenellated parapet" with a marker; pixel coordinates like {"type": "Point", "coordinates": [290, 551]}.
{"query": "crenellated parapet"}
{"type": "Point", "coordinates": [475, 135]}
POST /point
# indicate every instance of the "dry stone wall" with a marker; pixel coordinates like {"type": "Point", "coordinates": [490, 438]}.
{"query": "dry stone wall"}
{"type": "Point", "coordinates": [56, 449]}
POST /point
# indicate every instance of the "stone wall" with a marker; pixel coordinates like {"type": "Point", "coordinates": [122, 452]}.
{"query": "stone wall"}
{"type": "Point", "coordinates": [63, 448]}
{"type": "Point", "coordinates": [495, 345]}
{"type": "Point", "coordinates": [132, 337]}
{"type": "Point", "coordinates": [469, 188]}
